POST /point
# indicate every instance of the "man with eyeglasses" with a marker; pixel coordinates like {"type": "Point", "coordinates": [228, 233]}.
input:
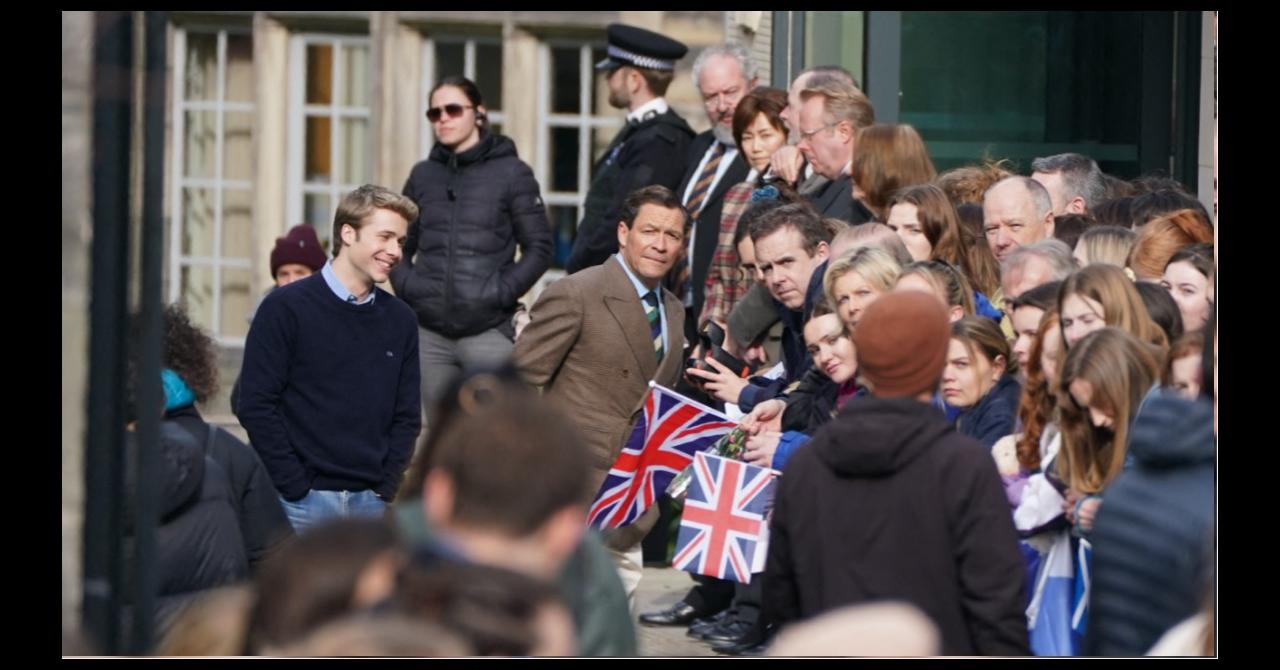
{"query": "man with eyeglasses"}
{"type": "Point", "coordinates": [831, 113]}
{"type": "Point", "coordinates": [647, 151]}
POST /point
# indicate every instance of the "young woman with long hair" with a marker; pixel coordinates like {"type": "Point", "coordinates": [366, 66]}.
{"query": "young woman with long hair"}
{"type": "Point", "coordinates": [1102, 295]}
{"type": "Point", "coordinates": [980, 380]}
{"type": "Point", "coordinates": [930, 227]}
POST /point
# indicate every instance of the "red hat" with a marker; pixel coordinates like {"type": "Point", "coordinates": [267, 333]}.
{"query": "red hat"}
{"type": "Point", "coordinates": [300, 245]}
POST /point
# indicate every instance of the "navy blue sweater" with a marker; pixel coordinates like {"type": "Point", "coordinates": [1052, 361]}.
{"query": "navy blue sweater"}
{"type": "Point", "coordinates": [329, 390]}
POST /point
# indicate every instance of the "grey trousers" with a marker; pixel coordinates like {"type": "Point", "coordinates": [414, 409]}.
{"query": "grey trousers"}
{"type": "Point", "coordinates": [442, 359]}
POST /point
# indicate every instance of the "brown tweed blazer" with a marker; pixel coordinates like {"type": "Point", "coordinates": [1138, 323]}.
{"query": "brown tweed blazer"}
{"type": "Point", "coordinates": [588, 346]}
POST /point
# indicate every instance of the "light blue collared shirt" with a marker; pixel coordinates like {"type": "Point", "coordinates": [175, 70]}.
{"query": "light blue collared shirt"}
{"type": "Point", "coordinates": [641, 289]}
{"type": "Point", "coordinates": [339, 289]}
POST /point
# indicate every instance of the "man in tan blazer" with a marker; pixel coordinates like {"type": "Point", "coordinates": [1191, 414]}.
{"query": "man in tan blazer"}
{"type": "Point", "coordinates": [596, 338]}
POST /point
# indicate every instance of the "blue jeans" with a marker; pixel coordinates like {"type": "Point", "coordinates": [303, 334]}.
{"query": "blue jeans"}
{"type": "Point", "coordinates": [316, 507]}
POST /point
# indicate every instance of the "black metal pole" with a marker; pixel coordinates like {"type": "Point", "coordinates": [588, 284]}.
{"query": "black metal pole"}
{"type": "Point", "coordinates": [150, 395]}
{"type": "Point", "coordinates": [104, 463]}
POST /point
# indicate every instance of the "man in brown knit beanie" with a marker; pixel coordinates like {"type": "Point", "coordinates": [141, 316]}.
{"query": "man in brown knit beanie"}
{"type": "Point", "coordinates": [889, 502]}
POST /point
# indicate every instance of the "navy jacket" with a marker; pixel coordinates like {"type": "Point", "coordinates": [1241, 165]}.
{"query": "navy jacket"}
{"type": "Point", "coordinates": [795, 355]}
{"type": "Point", "coordinates": [1152, 539]}
{"type": "Point", "coordinates": [993, 417]}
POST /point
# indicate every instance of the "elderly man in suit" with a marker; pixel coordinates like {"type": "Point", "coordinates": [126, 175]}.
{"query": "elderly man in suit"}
{"type": "Point", "coordinates": [596, 338]}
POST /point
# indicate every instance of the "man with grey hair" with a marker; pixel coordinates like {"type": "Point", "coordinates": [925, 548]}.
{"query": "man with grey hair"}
{"type": "Point", "coordinates": [1028, 267]}
{"type": "Point", "coordinates": [1074, 182]}
{"type": "Point", "coordinates": [723, 75]}
{"type": "Point", "coordinates": [831, 113]}
{"type": "Point", "coordinates": [1016, 211]}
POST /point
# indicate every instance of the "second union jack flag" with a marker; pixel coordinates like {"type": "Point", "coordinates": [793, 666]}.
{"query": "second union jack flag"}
{"type": "Point", "coordinates": [723, 526]}
{"type": "Point", "coordinates": [668, 433]}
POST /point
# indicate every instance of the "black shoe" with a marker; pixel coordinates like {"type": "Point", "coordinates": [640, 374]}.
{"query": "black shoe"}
{"type": "Point", "coordinates": [679, 614]}
{"type": "Point", "coordinates": [731, 631]}
{"type": "Point", "coordinates": [704, 624]}
{"type": "Point", "coordinates": [744, 649]}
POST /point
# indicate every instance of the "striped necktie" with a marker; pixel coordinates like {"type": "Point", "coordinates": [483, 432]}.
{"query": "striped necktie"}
{"type": "Point", "coordinates": [655, 320]}
{"type": "Point", "coordinates": [697, 200]}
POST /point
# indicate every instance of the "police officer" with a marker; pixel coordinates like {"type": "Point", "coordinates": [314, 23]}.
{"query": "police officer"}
{"type": "Point", "coordinates": [649, 150]}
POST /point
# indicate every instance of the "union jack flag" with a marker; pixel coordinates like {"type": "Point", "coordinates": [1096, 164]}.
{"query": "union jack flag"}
{"type": "Point", "coordinates": [668, 433]}
{"type": "Point", "coordinates": [723, 532]}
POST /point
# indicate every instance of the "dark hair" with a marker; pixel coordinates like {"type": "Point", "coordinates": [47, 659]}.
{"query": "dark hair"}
{"type": "Point", "coordinates": [1162, 308]}
{"type": "Point", "coordinates": [1156, 204]}
{"type": "Point", "coordinates": [949, 241]}
{"type": "Point", "coordinates": [1114, 212]}
{"type": "Point", "coordinates": [1156, 181]}
{"type": "Point", "coordinates": [798, 215]}
{"type": "Point", "coordinates": [753, 212]}
{"type": "Point", "coordinates": [1069, 227]}
{"type": "Point", "coordinates": [981, 335]}
{"type": "Point", "coordinates": [1114, 187]}
{"type": "Point", "coordinates": [504, 440]}
{"type": "Point", "coordinates": [312, 578]}
{"type": "Point", "coordinates": [1044, 297]}
{"type": "Point", "coordinates": [190, 352]}
{"type": "Point", "coordinates": [492, 608]}
{"type": "Point", "coordinates": [658, 195]}
{"type": "Point", "coordinates": [761, 100]}
{"type": "Point", "coordinates": [820, 307]}
{"type": "Point", "coordinates": [469, 89]}
{"type": "Point", "coordinates": [1199, 255]}
{"type": "Point", "coordinates": [356, 206]}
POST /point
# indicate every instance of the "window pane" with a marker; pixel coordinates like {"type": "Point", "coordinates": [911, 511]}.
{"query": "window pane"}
{"type": "Point", "coordinates": [354, 86]}
{"type": "Point", "coordinates": [564, 226]}
{"type": "Point", "coordinates": [564, 159]}
{"type": "Point", "coordinates": [197, 294]}
{"type": "Point", "coordinates": [489, 74]}
{"type": "Point", "coordinates": [565, 78]}
{"type": "Point", "coordinates": [319, 74]}
{"type": "Point", "coordinates": [354, 150]}
{"type": "Point", "coordinates": [240, 68]}
{"type": "Point", "coordinates": [315, 208]}
{"type": "Point", "coordinates": [599, 89]}
{"type": "Point", "coordinates": [318, 155]}
{"type": "Point", "coordinates": [199, 150]}
{"type": "Point", "coordinates": [197, 222]}
{"type": "Point", "coordinates": [237, 300]}
{"type": "Point", "coordinates": [237, 139]}
{"type": "Point", "coordinates": [449, 61]}
{"type": "Point", "coordinates": [237, 224]}
{"type": "Point", "coordinates": [202, 67]}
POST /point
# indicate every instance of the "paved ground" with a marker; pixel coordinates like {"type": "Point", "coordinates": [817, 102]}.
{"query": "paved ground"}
{"type": "Point", "coordinates": [660, 588]}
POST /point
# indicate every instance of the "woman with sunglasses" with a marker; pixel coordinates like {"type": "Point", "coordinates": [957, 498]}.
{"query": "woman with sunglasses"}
{"type": "Point", "coordinates": [478, 203]}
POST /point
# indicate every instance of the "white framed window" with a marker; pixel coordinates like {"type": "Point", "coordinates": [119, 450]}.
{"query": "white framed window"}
{"type": "Point", "coordinates": [329, 145]}
{"type": "Point", "coordinates": [476, 58]}
{"type": "Point", "coordinates": [575, 124]}
{"type": "Point", "coordinates": [211, 197]}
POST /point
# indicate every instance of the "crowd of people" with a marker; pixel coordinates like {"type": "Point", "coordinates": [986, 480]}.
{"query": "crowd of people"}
{"type": "Point", "coordinates": [972, 384]}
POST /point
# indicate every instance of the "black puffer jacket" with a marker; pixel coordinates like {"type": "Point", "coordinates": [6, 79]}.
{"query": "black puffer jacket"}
{"type": "Point", "coordinates": [263, 522]}
{"type": "Point", "coordinates": [198, 542]}
{"type": "Point", "coordinates": [459, 272]}
{"type": "Point", "coordinates": [1153, 537]}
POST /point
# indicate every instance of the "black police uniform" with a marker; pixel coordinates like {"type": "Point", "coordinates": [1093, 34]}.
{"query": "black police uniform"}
{"type": "Point", "coordinates": [644, 153]}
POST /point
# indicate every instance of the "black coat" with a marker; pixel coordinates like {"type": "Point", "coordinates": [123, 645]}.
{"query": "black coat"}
{"type": "Point", "coordinates": [889, 502]}
{"type": "Point", "coordinates": [263, 522]}
{"type": "Point", "coordinates": [459, 271]}
{"type": "Point", "coordinates": [835, 200]}
{"type": "Point", "coordinates": [198, 542]}
{"type": "Point", "coordinates": [1152, 539]}
{"type": "Point", "coordinates": [642, 154]}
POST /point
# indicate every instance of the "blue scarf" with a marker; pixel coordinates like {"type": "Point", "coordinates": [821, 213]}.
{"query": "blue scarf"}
{"type": "Point", "coordinates": [176, 392]}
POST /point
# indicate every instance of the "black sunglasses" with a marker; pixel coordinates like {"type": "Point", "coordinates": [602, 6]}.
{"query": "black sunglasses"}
{"type": "Point", "coordinates": [454, 110]}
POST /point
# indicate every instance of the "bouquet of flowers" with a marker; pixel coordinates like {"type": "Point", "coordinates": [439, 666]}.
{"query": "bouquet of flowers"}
{"type": "Point", "coordinates": [732, 445]}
